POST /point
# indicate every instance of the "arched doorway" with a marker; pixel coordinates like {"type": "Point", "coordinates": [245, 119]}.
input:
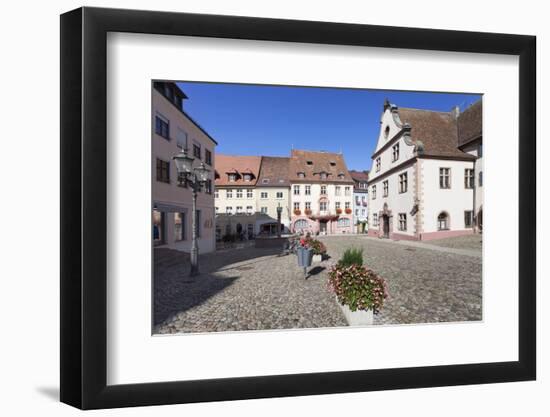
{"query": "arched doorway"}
{"type": "Point", "coordinates": [385, 225]}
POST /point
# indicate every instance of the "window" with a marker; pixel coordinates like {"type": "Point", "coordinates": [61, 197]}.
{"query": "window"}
{"type": "Point", "coordinates": [217, 209]}
{"type": "Point", "coordinates": [386, 188]}
{"type": "Point", "coordinates": [375, 219]}
{"type": "Point", "coordinates": [347, 205]}
{"type": "Point", "coordinates": [308, 190]}
{"type": "Point", "coordinates": [181, 139]}
{"type": "Point", "coordinates": [198, 224]}
{"type": "Point", "coordinates": [229, 193]}
{"type": "Point", "coordinates": [444, 177]}
{"type": "Point", "coordinates": [216, 194]}
{"type": "Point", "coordinates": [158, 227]}
{"type": "Point", "coordinates": [309, 162]}
{"type": "Point", "coordinates": [337, 190]}
{"type": "Point", "coordinates": [323, 190]}
{"type": "Point", "coordinates": [443, 221]}
{"type": "Point", "coordinates": [179, 226]}
{"type": "Point", "coordinates": [373, 192]}
{"type": "Point", "coordinates": [279, 195]}
{"type": "Point", "coordinates": [323, 175]}
{"type": "Point", "coordinates": [480, 179]}
{"type": "Point", "coordinates": [265, 181]}
{"type": "Point", "coordinates": [343, 222]}
{"type": "Point", "coordinates": [232, 177]}
{"type": "Point", "coordinates": [249, 193]}
{"type": "Point", "coordinates": [263, 194]}
{"type": "Point", "coordinates": [296, 190]}
{"type": "Point", "coordinates": [247, 177]}
{"type": "Point", "coordinates": [263, 210]}
{"type": "Point", "coordinates": [468, 178]}
{"type": "Point", "coordinates": [208, 157]}
{"type": "Point", "coordinates": [301, 174]}
{"type": "Point", "coordinates": [395, 152]}
{"type": "Point", "coordinates": [296, 205]}
{"type": "Point", "coordinates": [249, 209]}
{"type": "Point", "coordinates": [403, 183]}
{"type": "Point", "coordinates": [308, 205]}
{"type": "Point", "coordinates": [300, 224]}
{"type": "Point", "coordinates": [229, 210]}
{"type": "Point", "coordinates": [323, 206]}
{"type": "Point", "coordinates": [378, 164]}
{"type": "Point", "coordinates": [347, 191]}
{"type": "Point", "coordinates": [357, 212]}
{"type": "Point", "coordinates": [197, 151]}
{"type": "Point", "coordinates": [402, 222]}
{"type": "Point", "coordinates": [239, 209]}
{"type": "Point", "coordinates": [468, 218]}
{"type": "Point", "coordinates": [208, 186]}
{"type": "Point", "coordinates": [162, 127]}
{"type": "Point", "coordinates": [332, 163]}
{"type": "Point", "coordinates": [163, 171]}
{"type": "Point", "coordinates": [362, 212]}
{"type": "Point", "coordinates": [337, 205]}
{"type": "Point", "coordinates": [239, 193]}
{"type": "Point", "coordinates": [386, 132]}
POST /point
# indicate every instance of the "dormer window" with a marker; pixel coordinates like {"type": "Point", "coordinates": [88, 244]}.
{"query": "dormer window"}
{"type": "Point", "coordinates": [247, 177]}
{"type": "Point", "coordinates": [341, 175]}
{"type": "Point", "coordinates": [323, 175]}
{"type": "Point", "coordinates": [332, 163]}
{"type": "Point", "coordinates": [309, 162]}
{"type": "Point", "coordinates": [232, 177]}
{"type": "Point", "coordinates": [301, 174]}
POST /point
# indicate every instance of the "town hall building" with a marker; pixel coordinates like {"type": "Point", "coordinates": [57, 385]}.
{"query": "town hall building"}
{"type": "Point", "coordinates": [426, 174]}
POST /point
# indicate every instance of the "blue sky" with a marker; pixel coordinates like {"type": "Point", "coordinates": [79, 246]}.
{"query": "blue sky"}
{"type": "Point", "coordinates": [270, 120]}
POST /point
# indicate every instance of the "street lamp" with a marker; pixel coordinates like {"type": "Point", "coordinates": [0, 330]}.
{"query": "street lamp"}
{"type": "Point", "coordinates": [279, 211]}
{"type": "Point", "coordinates": [194, 178]}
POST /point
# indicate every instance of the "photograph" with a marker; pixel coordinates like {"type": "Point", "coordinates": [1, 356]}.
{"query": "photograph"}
{"type": "Point", "coordinates": [281, 207]}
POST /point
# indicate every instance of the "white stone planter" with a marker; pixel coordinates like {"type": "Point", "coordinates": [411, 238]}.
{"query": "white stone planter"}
{"type": "Point", "coordinates": [357, 318]}
{"type": "Point", "coordinates": [317, 258]}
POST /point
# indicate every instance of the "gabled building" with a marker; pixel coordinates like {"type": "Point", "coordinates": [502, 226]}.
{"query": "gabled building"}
{"type": "Point", "coordinates": [360, 200]}
{"type": "Point", "coordinates": [174, 130]}
{"type": "Point", "coordinates": [321, 193]}
{"type": "Point", "coordinates": [235, 194]}
{"type": "Point", "coordinates": [421, 185]}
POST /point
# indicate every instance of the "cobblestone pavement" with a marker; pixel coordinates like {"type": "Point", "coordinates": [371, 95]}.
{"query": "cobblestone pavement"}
{"type": "Point", "coordinates": [460, 242]}
{"type": "Point", "coordinates": [255, 289]}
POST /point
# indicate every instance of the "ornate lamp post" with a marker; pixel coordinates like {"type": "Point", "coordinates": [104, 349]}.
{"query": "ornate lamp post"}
{"type": "Point", "coordinates": [194, 178]}
{"type": "Point", "coordinates": [279, 211]}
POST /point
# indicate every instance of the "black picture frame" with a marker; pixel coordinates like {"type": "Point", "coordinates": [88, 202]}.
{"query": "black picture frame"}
{"type": "Point", "coordinates": [84, 207]}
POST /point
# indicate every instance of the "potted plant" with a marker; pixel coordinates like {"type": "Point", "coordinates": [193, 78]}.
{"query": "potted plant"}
{"type": "Point", "coordinates": [318, 247]}
{"type": "Point", "coordinates": [338, 211]}
{"type": "Point", "coordinates": [297, 212]}
{"type": "Point", "coordinates": [348, 211]}
{"type": "Point", "coordinates": [307, 212]}
{"type": "Point", "coordinates": [359, 291]}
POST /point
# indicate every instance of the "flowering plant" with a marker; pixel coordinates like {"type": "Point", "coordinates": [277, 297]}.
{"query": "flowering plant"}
{"type": "Point", "coordinates": [307, 212]}
{"type": "Point", "coordinates": [338, 211]}
{"type": "Point", "coordinates": [297, 212]}
{"type": "Point", "coordinates": [318, 247]}
{"type": "Point", "coordinates": [358, 287]}
{"type": "Point", "coordinates": [348, 211]}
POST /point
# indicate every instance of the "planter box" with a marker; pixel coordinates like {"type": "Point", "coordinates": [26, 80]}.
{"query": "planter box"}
{"type": "Point", "coordinates": [317, 258]}
{"type": "Point", "coordinates": [357, 318]}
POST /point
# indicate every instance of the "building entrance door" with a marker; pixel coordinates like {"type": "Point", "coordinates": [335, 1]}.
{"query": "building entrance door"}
{"type": "Point", "coordinates": [386, 225]}
{"type": "Point", "coordinates": [323, 228]}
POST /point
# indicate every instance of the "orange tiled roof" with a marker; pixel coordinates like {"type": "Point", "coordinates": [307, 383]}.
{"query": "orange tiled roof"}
{"type": "Point", "coordinates": [237, 164]}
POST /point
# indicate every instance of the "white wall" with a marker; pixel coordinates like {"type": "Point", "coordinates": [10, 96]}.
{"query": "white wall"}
{"type": "Point", "coordinates": [454, 201]}
{"type": "Point", "coordinates": [30, 300]}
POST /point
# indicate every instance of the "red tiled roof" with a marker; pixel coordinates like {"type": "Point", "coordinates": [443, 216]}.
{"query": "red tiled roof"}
{"type": "Point", "coordinates": [239, 164]}
{"type": "Point", "coordinates": [274, 172]}
{"type": "Point", "coordinates": [312, 164]}
{"type": "Point", "coordinates": [470, 123]}
{"type": "Point", "coordinates": [436, 130]}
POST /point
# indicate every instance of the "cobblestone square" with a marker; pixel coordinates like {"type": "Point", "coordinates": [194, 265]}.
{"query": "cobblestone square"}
{"type": "Point", "coordinates": [256, 289]}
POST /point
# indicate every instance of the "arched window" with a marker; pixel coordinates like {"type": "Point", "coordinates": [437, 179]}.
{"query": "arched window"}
{"type": "Point", "coordinates": [300, 225]}
{"type": "Point", "coordinates": [386, 132]}
{"type": "Point", "coordinates": [443, 221]}
{"type": "Point", "coordinates": [343, 222]}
